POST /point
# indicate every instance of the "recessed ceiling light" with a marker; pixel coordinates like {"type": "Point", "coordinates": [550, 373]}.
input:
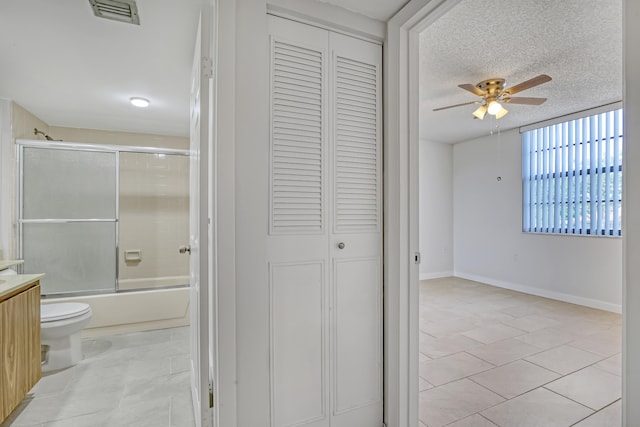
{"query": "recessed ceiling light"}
{"type": "Point", "coordinates": [139, 102]}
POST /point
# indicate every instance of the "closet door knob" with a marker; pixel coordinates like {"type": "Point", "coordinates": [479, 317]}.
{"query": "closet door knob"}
{"type": "Point", "coordinates": [340, 245]}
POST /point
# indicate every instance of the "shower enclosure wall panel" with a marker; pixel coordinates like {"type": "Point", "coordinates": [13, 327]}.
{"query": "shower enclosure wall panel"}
{"type": "Point", "coordinates": [68, 218]}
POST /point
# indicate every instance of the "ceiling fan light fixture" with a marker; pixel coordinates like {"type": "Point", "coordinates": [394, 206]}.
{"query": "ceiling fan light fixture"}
{"type": "Point", "coordinates": [503, 112]}
{"type": "Point", "coordinates": [480, 112]}
{"type": "Point", "coordinates": [494, 108]}
{"type": "Point", "coordinates": [492, 93]}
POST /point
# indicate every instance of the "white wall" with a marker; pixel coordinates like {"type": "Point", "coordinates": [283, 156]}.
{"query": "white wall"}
{"type": "Point", "coordinates": [631, 220]}
{"type": "Point", "coordinates": [436, 210]}
{"type": "Point", "coordinates": [489, 245]}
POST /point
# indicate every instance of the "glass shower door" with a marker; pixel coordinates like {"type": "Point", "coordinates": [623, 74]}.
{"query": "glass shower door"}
{"type": "Point", "coordinates": [68, 218]}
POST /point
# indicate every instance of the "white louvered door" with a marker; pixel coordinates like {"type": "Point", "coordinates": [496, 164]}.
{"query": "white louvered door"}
{"type": "Point", "coordinates": [356, 233]}
{"type": "Point", "coordinates": [325, 189]}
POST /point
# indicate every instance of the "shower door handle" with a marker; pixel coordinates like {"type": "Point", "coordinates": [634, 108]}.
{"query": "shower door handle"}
{"type": "Point", "coordinates": [185, 249]}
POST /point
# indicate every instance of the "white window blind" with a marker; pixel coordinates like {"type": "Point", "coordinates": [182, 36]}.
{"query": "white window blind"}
{"type": "Point", "coordinates": [572, 176]}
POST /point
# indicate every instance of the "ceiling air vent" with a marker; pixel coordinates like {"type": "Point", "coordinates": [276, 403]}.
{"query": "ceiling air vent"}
{"type": "Point", "coordinates": [118, 10]}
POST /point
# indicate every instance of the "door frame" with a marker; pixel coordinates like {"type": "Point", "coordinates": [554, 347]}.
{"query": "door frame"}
{"type": "Point", "coordinates": [401, 210]}
{"type": "Point", "coordinates": [401, 243]}
{"type": "Point", "coordinates": [205, 57]}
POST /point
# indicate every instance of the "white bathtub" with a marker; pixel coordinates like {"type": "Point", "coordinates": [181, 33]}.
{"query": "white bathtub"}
{"type": "Point", "coordinates": [133, 311]}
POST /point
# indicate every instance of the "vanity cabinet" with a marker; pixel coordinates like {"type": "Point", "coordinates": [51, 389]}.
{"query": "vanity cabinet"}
{"type": "Point", "coordinates": [20, 365]}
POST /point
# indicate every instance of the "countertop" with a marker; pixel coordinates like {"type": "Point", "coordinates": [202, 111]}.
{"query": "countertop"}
{"type": "Point", "coordinates": [6, 263]}
{"type": "Point", "coordinates": [12, 285]}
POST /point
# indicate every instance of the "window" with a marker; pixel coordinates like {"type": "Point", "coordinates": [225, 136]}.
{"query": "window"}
{"type": "Point", "coordinates": [572, 176]}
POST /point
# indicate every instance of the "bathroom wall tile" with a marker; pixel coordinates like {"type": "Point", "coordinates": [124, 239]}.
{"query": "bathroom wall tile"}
{"type": "Point", "coordinates": [154, 217]}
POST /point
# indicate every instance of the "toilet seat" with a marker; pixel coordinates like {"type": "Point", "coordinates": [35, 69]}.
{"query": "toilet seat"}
{"type": "Point", "coordinates": [62, 311]}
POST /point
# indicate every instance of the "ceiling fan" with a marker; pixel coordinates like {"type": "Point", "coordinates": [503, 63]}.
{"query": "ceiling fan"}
{"type": "Point", "coordinates": [492, 92]}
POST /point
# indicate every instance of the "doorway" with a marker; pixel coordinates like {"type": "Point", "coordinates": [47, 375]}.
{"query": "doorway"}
{"type": "Point", "coordinates": [402, 71]}
{"type": "Point", "coordinates": [488, 208]}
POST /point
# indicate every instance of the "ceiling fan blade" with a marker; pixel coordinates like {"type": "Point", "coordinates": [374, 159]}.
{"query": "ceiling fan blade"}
{"type": "Point", "coordinates": [525, 100]}
{"type": "Point", "coordinates": [471, 88]}
{"type": "Point", "coordinates": [480, 112]}
{"type": "Point", "coordinates": [457, 105]}
{"type": "Point", "coordinates": [538, 80]}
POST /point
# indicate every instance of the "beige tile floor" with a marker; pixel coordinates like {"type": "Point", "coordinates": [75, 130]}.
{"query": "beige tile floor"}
{"type": "Point", "coordinates": [493, 357]}
{"type": "Point", "coordinates": [139, 379]}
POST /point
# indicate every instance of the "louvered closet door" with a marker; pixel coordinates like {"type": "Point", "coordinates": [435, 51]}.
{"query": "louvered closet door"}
{"type": "Point", "coordinates": [325, 302]}
{"type": "Point", "coordinates": [298, 238]}
{"type": "Point", "coordinates": [356, 233]}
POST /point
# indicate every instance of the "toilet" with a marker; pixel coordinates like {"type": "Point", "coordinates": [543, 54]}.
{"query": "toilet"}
{"type": "Point", "coordinates": [61, 324]}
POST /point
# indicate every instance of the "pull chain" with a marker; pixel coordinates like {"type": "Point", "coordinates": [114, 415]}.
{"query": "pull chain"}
{"type": "Point", "coordinates": [498, 154]}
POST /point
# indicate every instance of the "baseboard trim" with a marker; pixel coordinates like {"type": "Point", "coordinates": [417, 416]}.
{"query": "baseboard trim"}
{"type": "Point", "coordinates": [573, 299]}
{"type": "Point", "coordinates": [436, 275]}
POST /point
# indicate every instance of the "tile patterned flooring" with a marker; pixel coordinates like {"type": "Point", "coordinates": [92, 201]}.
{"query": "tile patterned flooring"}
{"type": "Point", "coordinates": [139, 379]}
{"type": "Point", "coordinates": [494, 357]}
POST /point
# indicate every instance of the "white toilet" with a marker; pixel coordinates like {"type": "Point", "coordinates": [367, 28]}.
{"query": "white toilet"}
{"type": "Point", "coordinates": [61, 325]}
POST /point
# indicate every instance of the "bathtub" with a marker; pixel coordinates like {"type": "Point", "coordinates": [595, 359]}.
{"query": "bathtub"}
{"type": "Point", "coordinates": [127, 312]}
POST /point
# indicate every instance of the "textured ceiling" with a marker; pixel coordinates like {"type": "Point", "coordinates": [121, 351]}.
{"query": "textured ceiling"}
{"type": "Point", "coordinates": [576, 42]}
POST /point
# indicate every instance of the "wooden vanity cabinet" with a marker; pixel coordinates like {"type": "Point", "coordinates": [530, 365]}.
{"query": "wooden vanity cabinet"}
{"type": "Point", "coordinates": [20, 363]}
